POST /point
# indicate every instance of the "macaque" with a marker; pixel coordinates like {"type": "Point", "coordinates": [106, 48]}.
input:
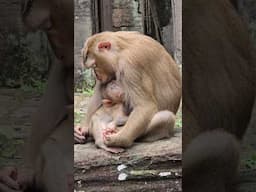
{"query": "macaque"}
{"type": "Point", "coordinates": [107, 118]}
{"type": "Point", "coordinates": [112, 113]}
{"type": "Point", "coordinates": [148, 75]}
{"type": "Point", "coordinates": [110, 116]}
{"type": "Point", "coordinates": [218, 94]}
{"type": "Point", "coordinates": [113, 97]}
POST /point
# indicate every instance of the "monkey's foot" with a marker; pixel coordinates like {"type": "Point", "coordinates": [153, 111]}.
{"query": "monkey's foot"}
{"type": "Point", "coordinates": [108, 133]}
{"type": "Point", "coordinates": [113, 149]}
{"type": "Point", "coordinates": [112, 138]}
{"type": "Point", "coordinates": [109, 130]}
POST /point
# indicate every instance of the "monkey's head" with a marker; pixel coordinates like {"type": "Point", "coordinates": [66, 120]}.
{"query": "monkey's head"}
{"type": "Point", "coordinates": [101, 52]}
{"type": "Point", "coordinates": [114, 92]}
{"type": "Point", "coordinates": [55, 17]}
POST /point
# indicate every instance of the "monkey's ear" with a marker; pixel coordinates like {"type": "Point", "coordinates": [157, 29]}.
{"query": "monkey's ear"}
{"type": "Point", "coordinates": [106, 45]}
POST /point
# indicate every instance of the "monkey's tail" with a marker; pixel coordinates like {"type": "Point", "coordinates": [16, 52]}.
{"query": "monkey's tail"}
{"type": "Point", "coordinates": [210, 162]}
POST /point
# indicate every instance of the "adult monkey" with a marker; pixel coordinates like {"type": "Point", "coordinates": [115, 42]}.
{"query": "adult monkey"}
{"type": "Point", "coordinates": [56, 19]}
{"type": "Point", "coordinates": [150, 78]}
{"type": "Point", "coordinates": [51, 136]}
{"type": "Point", "coordinates": [218, 93]}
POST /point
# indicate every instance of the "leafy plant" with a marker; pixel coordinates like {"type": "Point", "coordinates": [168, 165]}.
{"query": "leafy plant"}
{"type": "Point", "coordinates": [22, 64]}
{"type": "Point", "coordinates": [39, 87]}
{"type": "Point", "coordinates": [78, 116]}
{"type": "Point", "coordinates": [178, 122]}
{"type": "Point", "coordinates": [251, 162]}
{"type": "Point", "coordinates": [88, 92]}
{"type": "Point", "coordinates": [85, 82]}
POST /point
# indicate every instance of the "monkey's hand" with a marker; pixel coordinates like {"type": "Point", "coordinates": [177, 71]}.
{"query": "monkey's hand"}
{"type": "Point", "coordinates": [8, 180]}
{"type": "Point", "coordinates": [25, 177]}
{"type": "Point", "coordinates": [112, 138]}
{"type": "Point", "coordinates": [81, 134]}
{"type": "Point", "coordinates": [106, 133]}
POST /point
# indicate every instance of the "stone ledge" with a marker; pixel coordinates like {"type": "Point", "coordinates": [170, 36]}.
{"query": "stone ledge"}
{"type": "Point", "coordinates": [146, 167]}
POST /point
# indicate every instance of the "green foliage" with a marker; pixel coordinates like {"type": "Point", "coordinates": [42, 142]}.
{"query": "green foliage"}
{"type": "Point", "coordinates": [85, 82]}
{"type": "Point", "coordinates": [38, 87]}
{"type": "Point", "coordinates": [88, 92]}
{"type": "Point", "coordinates": [251, 162]}
{"type": "Point", "coordinates": [8, 149]}
{"type": "Point", "coordinates": [78, 117]}
{"type": "Point", "coordinates": [178, 122]}
{"type": "Point", "coordinates": [22, 64]}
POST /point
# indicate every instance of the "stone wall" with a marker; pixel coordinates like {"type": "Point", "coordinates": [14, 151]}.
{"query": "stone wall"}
{"type": "Point", "coordinates": [10, 16]}
{"type": "Point", "coordinates": [82, 29]}
{"type": "Point", "coordinates": [32, 49]}
{"type": "Point", "coordinates": [127, 15]}
{"type": "Point", "coordinates": [10, 21]}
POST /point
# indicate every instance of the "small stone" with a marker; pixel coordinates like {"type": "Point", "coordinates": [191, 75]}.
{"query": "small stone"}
{"type": "Point", "coordinates": [164, 174]}
{"type": "Point", "coordinates": [122, 177]}
{"type": "Point", "coordinates": [121, 167]}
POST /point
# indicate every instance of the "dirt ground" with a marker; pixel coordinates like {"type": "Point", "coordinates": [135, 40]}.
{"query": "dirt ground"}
{"type": "Point", "coordinates": [15, 123]}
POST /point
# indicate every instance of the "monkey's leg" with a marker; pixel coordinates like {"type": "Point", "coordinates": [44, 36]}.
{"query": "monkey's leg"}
{"type": "Point", "coordinates": [161, 126]}
{"type": "Point", "coordinates": [116, 124]}
{"type": "Point", "coordinates": [210, 163]}
{"type": "Point", "coordinates": [135, 126]}
{"type": "Point", "coordinates": [99, 124]}
{"type": "Point", "coordinates": [48, 112]}
{"type": "Point", "coordinates": [120, 121]}
{"type": "Point", "coordinates": [54, 166]}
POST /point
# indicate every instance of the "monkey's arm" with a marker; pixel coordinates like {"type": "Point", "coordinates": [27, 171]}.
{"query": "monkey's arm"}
{"type": "Point", "coordinates": [81, 131]}
{"type": "Point", "coordinates": [120, 121]}
{"type": "Point", "coordinates": [139, 90]}
{"type": "Point", "coordinates": [94, 104]}
{"type": "Point", "coordinates": [52, 103]}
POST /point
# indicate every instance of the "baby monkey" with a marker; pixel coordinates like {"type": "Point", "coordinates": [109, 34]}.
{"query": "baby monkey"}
{"type": "Point", "coordinates": [110, 117]}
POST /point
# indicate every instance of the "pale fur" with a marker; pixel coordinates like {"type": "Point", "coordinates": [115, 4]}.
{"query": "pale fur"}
{"type": "Point", "coordinates": [148, 74]}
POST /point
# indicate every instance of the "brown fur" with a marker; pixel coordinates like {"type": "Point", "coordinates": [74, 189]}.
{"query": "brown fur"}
{"type": "Point", "coordinates": [51, 135]}
{"type": "Point", "coordinates": [110, 116]}
{"type": "Point", "coordinates": [218, 93]}
{"type": "Point", "coordinates": [105, 118]}
{"type": "Point", "coordinates": [149, 76]}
